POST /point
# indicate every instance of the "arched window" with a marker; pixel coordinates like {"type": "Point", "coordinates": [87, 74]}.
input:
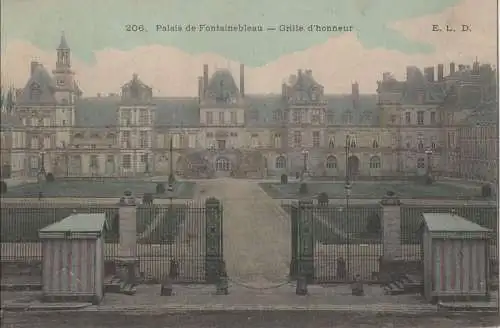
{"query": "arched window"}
{"type": "Point", "coordinates": [375, 162]}
{"type": "Point", "coordinates": [280, 162]}
{"type": "Point", "coordinates": [331, 162]}
{"type": "Point", "coordinates": [420, 163]}
{"type": "Point", "coordinates": [375, 143]}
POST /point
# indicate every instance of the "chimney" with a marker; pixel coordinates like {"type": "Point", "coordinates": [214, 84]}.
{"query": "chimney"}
{"type": "Point", "coordinates": [452, 68]}
{"type": "Point", "coordinates": [283, 90]}
{"type": "Point", "coordinates": [409, 71]}
{"type": "Point", "coordinates": [475, 67]}
{"type": "Point", "coordinates": [200, 88]}
{"type": "Point", "coordinates": [309, 72]}
{"type": "Point", "coordinates": [386, 76]}
{"type": "Point", "coordinates": [205, 77]}
{"type": "Point", "coordinates": [34, 65]}
{"type": "Point", "coordinates": [355, 94]}
{"type": "Point", "coordinates": [440, 76]}
{"type": "Point", "coordinates": [242, 80]}
{"type": "Point", "coordinates": [429, 74]}
{"type": "Point", "coordinates": [355, 90]}
{"type": "Point", "coordinates": [299, 73]}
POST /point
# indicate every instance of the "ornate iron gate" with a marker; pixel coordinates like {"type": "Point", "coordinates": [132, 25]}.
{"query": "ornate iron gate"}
{"type": "Point", "coordinates": [334, 244]}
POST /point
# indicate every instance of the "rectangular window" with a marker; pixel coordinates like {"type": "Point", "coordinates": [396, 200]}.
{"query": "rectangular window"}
{"type": "Point", "coordinates": [316, 139]}
{"type": "Point", "coordinates": [316, 116]}
{"type": "Point", "coordinates": [126, 118]}
{"type": "Point", "coordinates": [420, 117]}
{"type": "Point", "coordinates": [143, 139]}
{"type": "Point", "coordinates": [221, 118]}
{"type": "Point", "coordinates": [297, 139]}
{"type": "Point", "coordinates": [210, 118]}
{"type": "Point", "coordinates": [433, 117]}
{"type": "Point", "coordinates": [144, 158]}
{"type": "Point", "coordinates": [330, 116]}
{"type": "Point", "coordinates": [234, 119]}
{"type": "Point", "coordinates": [295, 116]}
{"type": "Point", "coordinates": [127, 161]}
{"type": "Point", "coordinates": [125, 139]}
{"type": "Point", "coordinates": [144, 118]}
{"type": "Point", "coordinates": [408, 117]}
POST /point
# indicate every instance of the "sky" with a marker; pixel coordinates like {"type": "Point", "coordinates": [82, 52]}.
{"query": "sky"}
{"type": "Point", "coordinates": [386, 35]}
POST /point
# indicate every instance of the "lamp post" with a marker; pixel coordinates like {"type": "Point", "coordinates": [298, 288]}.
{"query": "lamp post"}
{"type": "Point", "coordinates": [42, 163]}
{"type": "Point", "coordinates": [347, 188]}
{"type": "Point", "coordinates": [428, 152]}
{"type": "Point", "coordinates": [305, 154]}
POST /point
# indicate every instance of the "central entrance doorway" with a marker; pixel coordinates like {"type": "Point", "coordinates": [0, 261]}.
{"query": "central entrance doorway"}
{"type": "Point", "coordinates": [223, 167]}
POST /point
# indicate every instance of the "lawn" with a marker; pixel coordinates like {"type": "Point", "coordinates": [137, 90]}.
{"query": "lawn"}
{"type": "Point", "coordinates": [22, 224]}
{"type": "Point", "coordinates": [372, 190]}
{"type": "Point", "coordinates": [98, 189]}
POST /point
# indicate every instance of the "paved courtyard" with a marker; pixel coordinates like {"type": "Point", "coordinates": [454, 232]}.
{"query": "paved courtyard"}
{"type": "Point", "coordinates": [245, 319]}
{"type": "Point", "coordinates": [374, 190]}
{"type": "Point", "coordinates": [256, 232]}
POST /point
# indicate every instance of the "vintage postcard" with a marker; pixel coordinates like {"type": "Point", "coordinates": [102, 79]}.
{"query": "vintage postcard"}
{"type": "Point", "coordinates": [228, 156]}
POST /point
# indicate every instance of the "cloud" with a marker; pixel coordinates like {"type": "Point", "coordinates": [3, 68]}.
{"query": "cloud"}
{"type": "Point", "coordinates": [335, 63]}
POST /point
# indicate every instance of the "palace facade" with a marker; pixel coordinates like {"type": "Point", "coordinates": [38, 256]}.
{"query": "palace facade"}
{"type": "Point", "coordinates": [409, 127]}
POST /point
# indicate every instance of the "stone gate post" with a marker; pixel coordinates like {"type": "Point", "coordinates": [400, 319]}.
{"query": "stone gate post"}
{"type": "Point", "coordinates": [391, 226]}
{"type": "Point", "coordinates": [128, 262]}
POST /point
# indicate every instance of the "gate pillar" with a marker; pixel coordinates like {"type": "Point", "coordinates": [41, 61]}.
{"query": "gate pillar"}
{"type": "Point", "coordinates": [302, 262]}
{"type": "Point", "coordinates": [213, 239]}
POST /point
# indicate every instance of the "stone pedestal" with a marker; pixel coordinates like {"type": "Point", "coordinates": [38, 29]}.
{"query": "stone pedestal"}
{"type": "Point", "coordinates": [391, 225]}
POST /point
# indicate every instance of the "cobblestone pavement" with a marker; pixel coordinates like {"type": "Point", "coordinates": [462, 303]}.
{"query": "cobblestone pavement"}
{"type": "Point", "coordinates": [265, 319]}
{"type": "Point", "coordinates": [256, 232]}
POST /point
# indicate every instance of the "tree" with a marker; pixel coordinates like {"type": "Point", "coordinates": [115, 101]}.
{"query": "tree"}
{"type": "Point", "coordinates": [49, 177]}
{"type": "Point", "coordinates": [171, 179]}
{"type": "Point", "coordinates": [374, 225]}
{"type": "Point", "coordinates": [486, 191]}
{"type": "Point", "coordinates": [147, 199]}
{"type": "Point", "coordinates": [303, 189]}
{"type": "Point", "coordinates": [160, 188]}
{"type": "Point", "coordinates": [323, 199]}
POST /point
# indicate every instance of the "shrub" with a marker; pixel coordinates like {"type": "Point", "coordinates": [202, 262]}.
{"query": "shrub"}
{"type": "Point", "coordinates": [160, 188]}
{"type": "Point", "coordinates": [49, 177]}
{"type": "Point", "coordinates": [303, 189]}
{"type": "Point", "coordinates": [171, 179]}
{"type": "Point", "coordinates": [486, 190]}
{"type": "Point", "coordinates": [3, 187]}
{"type": "Point", "coordinates": [147, 199]}
{"type": "Point", "coordinates": [284, 179]}
{"type": "Point", "coordinates": [374, 225]}
{"type": "Point", "coordinates": [323, 199]}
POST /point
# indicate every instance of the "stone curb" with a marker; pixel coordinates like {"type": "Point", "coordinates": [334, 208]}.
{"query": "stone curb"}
{"type": "Point", "coordinates": [20, 287]}
{"type": "Point", "coordinates": [20, 307]}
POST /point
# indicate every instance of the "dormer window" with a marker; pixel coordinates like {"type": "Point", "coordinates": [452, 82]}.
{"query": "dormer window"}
{"type": "Point", "coordinates": [35, 91]}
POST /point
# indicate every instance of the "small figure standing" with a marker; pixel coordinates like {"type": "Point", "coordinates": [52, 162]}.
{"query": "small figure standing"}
{"type": "Point", "coordinates": [341, 268]}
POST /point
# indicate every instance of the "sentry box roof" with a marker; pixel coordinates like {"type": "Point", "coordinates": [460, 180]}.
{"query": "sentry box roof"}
{"type": "Point", "coordinates": [449, 225]}
{"type": "Point", "coordinates": [76, 226]}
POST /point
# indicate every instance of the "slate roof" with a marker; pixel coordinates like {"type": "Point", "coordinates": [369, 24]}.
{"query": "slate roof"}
{"type": "Point", "coordinates": [93, 222]}
{"type": "Point", "coordinates": [102, 111]}
{"type": "Point", "coordinates": [444, 222]}
{"type": "Point", "coordinates": [44, 82]}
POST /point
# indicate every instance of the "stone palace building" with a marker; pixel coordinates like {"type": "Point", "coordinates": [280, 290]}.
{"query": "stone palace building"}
{"type": "Point", "coordinates": [409, 127]}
